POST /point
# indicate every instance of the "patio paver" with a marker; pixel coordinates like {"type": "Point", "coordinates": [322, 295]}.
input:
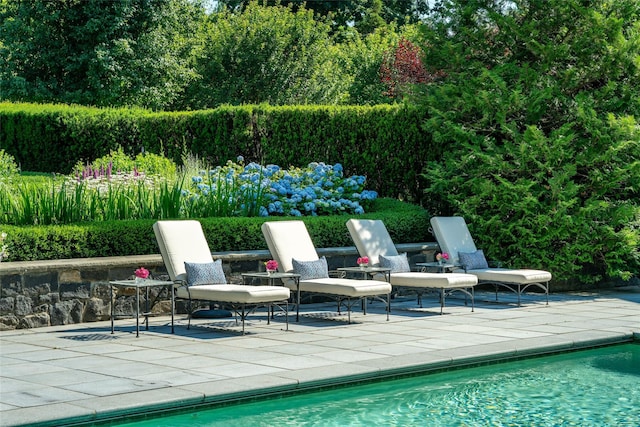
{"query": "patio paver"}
{"type": "Point", "coordinates": [83, 373]}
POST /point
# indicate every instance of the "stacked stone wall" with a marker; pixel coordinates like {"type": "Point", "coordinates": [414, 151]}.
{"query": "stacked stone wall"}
{"type": "Point", "coordinates": [49, 293]}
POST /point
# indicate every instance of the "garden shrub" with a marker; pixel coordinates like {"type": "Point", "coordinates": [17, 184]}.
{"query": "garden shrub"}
{"type": "Point", "coordinates": [8, 166]}
{"type": "Point", "coordinates": [117, 161]}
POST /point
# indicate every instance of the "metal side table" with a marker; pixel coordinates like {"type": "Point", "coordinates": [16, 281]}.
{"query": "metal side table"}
{"type": "Point", "coordinates": [271, 278]}
{"type": "Point", "coordinates": [138, 285]}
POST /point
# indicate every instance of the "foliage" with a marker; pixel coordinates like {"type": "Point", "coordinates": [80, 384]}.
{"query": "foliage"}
{"type": "Point", "coordinates": [179, 55]}
{"type": "Point", "coordinates": [4, 253]}
{"type": "Point", "coordinates": [251, 190]}
{"type": "Point", "coordinates": [267, 54]}
{"type": "Point", "coordinates": [366, 54]}
{"type": "Point", "coordinates": [96, 53]}
{"type": "Point", "coordinates": [117, 161]}
{"type": "Point", "coordinates": [406, 223]}
{"type": "Point", "coordinates": [385, 143]}
{"type": "Point", "coordinates": [345, 13]}
{"type": "Point", "coordinates": [231, 190]}
{"type": "Point", "coordinates": [542, 147]}
{"type": "Point", "coordinates": [402, 69]}
{"type": "Point", "coordinates": [8, 166]}
{"type": "Point", "coordinates": [52, 138]}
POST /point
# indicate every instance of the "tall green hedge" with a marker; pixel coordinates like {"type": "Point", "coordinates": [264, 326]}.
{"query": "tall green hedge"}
{"type": "Point", "coordinates": [385, 143]}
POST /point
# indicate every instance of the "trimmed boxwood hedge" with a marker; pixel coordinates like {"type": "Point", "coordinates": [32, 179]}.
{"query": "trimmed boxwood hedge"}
{"type": "Point", "coordinates": [387, 143]}
{"type": "Point", "coordinates": [406, 223]}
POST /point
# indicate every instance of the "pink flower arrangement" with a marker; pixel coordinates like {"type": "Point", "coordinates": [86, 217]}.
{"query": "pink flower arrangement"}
{"type": "Point", "coordinates": [142, 273]}
{"type": "Point", "coordinates": [442, 256]}
{"type": "Point", "coordinates": [363, 260]}
{"type": "Point", "coordinates": [271, 265]}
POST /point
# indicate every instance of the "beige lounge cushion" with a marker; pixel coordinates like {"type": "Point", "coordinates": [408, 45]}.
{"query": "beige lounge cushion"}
{"type": "Point", "coordinates": [374, 241]}
{"type": "Point", "coordinates": [453, 237]}
{"type": "Point", "coordinates": [371, 239]}
{"type": "Point", "coordinates": [345, 287]}
{"type": "Point", "coordinates": [235, 293]}
{"type": "Point", "coordinates": [181, 241]}
{"type": "Point", "coordinates": [519, 276]}
{"type": "Point", "coordinates": [290, 239]}
{"type": "Point", "coordinates": [184, 240]}
{"type": "Point", "coordinates": [433, 280]}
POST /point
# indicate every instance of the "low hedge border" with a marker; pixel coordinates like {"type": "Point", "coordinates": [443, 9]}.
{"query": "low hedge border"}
{"type": "Point", "coordinates": [406, 223]}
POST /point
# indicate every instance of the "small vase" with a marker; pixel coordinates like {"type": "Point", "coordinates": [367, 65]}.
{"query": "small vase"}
{"type": "Point", "coordinates": [363, 266]}
{"type": "Point", "coordinates": [270, 272]}
{"type": "Point", "coordinates": [442, 261]}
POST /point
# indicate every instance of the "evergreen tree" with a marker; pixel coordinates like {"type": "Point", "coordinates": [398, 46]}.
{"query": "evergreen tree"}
{"type": "Point", "coordinates": [537, 122]}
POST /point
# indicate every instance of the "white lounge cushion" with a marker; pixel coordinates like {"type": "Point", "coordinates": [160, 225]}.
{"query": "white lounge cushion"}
{"type": "Point", "coordinates": [519, 276]}
{"type": "Point", "coordinates": [433, 280]}
{"type": "Point", "coordinates": [235, 293]}
{"type": "Point", "coordinates": [288, 240]}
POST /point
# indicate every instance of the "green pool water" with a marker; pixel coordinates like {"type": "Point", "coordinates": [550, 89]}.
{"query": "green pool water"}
{"type": "Point", "coordinates": [596, 387]}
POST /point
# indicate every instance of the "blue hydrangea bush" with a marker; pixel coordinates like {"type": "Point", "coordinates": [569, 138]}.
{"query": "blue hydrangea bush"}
{"type": "Point", "coordinates": [237, 189]}
{"type": "Point", "coordinates": [232, 190]}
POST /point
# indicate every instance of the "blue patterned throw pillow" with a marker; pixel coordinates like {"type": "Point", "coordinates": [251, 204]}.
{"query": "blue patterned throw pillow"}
{"type": "Point", "coordinates": [397, 263]}
{"type": "Point", "coordinates": [308, 270]}
{"type": "Point", "coordinates": [473, 260]}
{"type": "Point", "coordinates": [207, 273]}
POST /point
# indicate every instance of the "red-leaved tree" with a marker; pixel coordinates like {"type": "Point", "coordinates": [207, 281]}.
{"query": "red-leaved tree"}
{"type": "Point", "coordinates": [402, 68]}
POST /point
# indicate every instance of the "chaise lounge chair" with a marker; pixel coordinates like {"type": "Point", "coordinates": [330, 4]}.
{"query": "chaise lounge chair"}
{"type": "Point", "coordinates": [454, 238]}
{"type": "Point", "coordinates": [197, 277]}
{"type": "Point", "coordinates": [373, 241]}
{"type": "Point", "coordinates": [291, 246]}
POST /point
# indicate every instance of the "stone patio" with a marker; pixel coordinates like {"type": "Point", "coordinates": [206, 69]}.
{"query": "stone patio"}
{"type": "Point", "coordinates": [82, 373]}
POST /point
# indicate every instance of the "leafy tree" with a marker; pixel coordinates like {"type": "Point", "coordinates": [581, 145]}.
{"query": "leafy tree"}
{"type": "Point", "coordinates": [537, 122]}
{"type": "Point", "coordinates": [343, 13]}
{"type": "Point", "coordinates": [268, 54]}
{"type": "Point", "coordinates": [366, 54]}
{"type": "Point", "coordinates": [402, 69]}
{"type": "Point", "coordinates": [100, 52]}
{"type": "Point", "coordinates": [371, 18]}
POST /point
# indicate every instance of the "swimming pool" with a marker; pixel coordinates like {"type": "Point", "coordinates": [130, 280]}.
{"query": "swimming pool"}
{"type": "Point", "coordinates": [596, 387]}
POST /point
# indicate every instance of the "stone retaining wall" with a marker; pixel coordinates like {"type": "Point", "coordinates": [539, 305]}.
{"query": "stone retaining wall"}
{"type": "Point", "coordinates": [61, 292]}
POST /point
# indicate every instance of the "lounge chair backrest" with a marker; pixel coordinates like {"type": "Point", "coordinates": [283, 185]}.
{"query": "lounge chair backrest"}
{"type": "Point", "coordinates": [453, 236]}
{"type": "Point", "coordinates": [181, 241]}
{"type": "Point", "coordinates": [371, 239]}
{"type": "Point", "coordinates": [287, 240]}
